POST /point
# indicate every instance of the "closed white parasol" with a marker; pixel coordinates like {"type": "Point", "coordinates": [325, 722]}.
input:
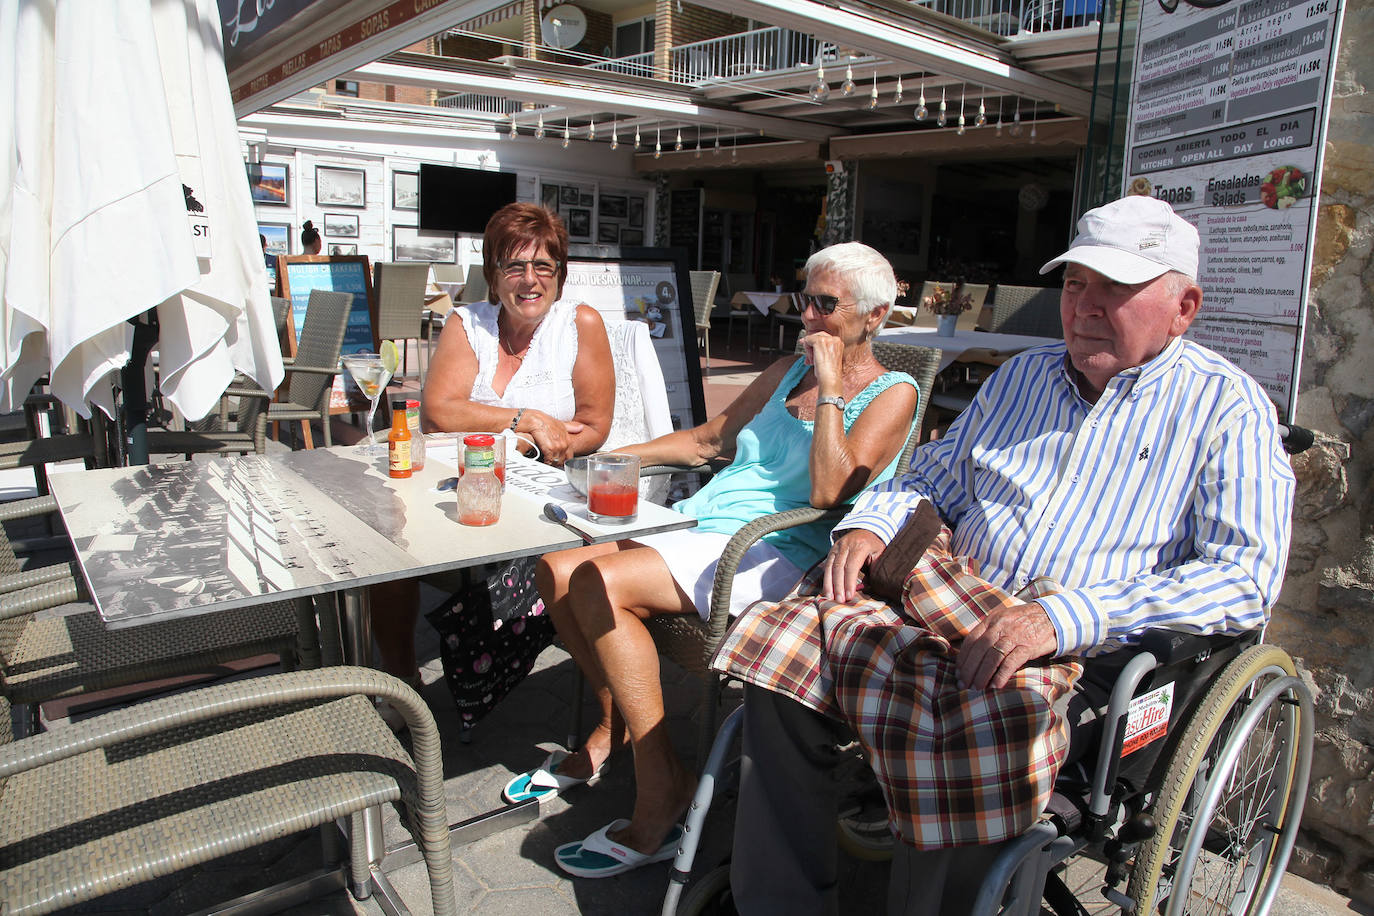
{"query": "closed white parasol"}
{"type": "Point", "coordinates": [124, 190]}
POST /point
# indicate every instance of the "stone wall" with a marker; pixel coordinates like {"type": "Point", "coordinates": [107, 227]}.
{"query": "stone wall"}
{"type": "Point", "coordinates": [1325, 617]}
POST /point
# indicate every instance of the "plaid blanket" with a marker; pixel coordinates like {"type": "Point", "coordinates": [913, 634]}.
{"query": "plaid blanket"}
{"type": "Point", "coordinates": [957, 767]}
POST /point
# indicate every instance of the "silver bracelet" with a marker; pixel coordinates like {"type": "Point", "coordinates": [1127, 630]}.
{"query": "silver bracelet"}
{"type": "Point", "coordinates": [515, 421]}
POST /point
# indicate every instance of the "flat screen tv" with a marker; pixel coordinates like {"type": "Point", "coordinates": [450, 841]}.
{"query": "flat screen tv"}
{"type": "Point", "coordinates": [462, 200]}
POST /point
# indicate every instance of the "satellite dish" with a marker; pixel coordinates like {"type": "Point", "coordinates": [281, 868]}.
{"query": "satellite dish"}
{"type": "Point", "coordinates": [563, 27]}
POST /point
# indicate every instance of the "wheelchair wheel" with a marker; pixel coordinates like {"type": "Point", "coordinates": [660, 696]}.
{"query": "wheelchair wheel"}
{"type": "Point", "coordinates": [1230, 802]}
{"type": "Point", "coordinates": [710, 896]}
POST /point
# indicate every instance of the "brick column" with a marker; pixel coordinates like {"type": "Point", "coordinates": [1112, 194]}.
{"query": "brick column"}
{"type": "Point", "coordinates": [529, 30]}
{"type": "Point", "coordinates": [665, 29]}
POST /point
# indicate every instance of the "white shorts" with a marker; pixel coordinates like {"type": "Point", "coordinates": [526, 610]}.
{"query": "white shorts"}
{"type": "Point", "coordinates": [692, 557]}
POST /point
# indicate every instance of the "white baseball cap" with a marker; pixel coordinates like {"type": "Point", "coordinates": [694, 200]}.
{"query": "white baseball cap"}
{"type": "Point", "coordinates": [1132, 240]}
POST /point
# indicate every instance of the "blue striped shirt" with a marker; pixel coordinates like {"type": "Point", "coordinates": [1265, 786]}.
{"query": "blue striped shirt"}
{"type": "Point", "coordinates": [1165, 504]}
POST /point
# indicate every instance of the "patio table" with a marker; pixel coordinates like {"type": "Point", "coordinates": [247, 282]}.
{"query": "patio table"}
{"type": "Point", "coordinates": [951, 348]}
{"type": "Point", "coordinates": [164, 541]}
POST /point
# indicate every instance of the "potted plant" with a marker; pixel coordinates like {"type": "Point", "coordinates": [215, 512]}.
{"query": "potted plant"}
{"type": "Point", "coordinates": [948, 303]}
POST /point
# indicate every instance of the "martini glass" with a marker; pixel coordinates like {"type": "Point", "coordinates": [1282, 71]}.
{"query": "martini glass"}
{"type": "Point", "coordinates": [371, 374]}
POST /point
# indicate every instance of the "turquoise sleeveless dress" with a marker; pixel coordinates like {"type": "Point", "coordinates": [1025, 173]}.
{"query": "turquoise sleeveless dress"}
{"type": "Point", "coordinates": [771, 472]}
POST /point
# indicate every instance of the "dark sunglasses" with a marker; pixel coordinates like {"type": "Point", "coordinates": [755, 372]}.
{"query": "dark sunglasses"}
{"type": "Point", "coordinates": [822, 304]}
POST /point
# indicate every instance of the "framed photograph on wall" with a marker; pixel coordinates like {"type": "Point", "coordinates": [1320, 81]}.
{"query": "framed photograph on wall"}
{"type": "Point", "coordinates": [613, 205]}
{"type": "Point", "coordinates": [548, 195]}
{"type": "Point", "coordinates": [636, 212]}
{"type": "Point", "coordinates": [568, 195]}
{"type": "Point", "coordinates": [580, 223]}
{"type": "Point", "coordinates": [267, 181]}
{"type": "Point", "coordinates": [585, 199]}
{"type": "Point", "coordinates": [341, 225]}
{"type": "Point", "coordinates": [408, 243]}
{"type": "Point", "coordinates": [405, 190]}
{"type": "Point", "coordinates": [608, 233]}
{"type": "Point", "coordinates": [335, 248]}
{"type": "Point", "coordinates": [278, 237]}
{"type": "Point", "coordinates": [336, 187]}
{"type": "Point", "coordinates": [632, 236]}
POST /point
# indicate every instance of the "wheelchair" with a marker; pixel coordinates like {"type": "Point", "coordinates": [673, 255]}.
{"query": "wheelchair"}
{"type": "Point", "coordinates": [1200, 819]}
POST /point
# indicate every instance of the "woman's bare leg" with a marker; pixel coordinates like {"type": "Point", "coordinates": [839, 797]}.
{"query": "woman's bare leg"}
{"type": "Point", "coordinates": [551, 578]}
{"type": "Point", "coordinates": [611, 595]}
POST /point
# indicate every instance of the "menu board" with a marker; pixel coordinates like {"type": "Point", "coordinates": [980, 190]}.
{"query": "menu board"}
{"type": "Point", "coordinates": [1228, 114]}
{"type": "Point", "coordinates": [650, 290]}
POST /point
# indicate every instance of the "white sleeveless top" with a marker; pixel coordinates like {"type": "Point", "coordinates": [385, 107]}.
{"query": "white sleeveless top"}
{"type": "Point", "coordinates": [544, 379]}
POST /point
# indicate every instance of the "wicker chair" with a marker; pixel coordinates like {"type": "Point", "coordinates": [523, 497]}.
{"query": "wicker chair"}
{"type": "Point", "coordinates": [311, 372]}
{"type": "Point", "coordinates": [1032, 310]}
{"type": "Point", "coordinates": [71, 652]}
{"type": "Point", "coordinates": [400, 291]}
{"type": "Point", "coordinates": [690, 641]}
{"type": "Point", "coordinates": [704, 284]}
{"type": "Point", "coordinates": [127, 796]}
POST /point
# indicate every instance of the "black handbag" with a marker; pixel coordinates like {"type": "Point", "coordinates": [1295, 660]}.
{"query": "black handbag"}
{"type": "Point", "coordinates": [491, 632]}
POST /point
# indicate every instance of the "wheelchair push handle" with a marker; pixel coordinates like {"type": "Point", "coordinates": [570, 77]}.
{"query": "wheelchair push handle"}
{"type": "Point", "coordinates": [1295, 439]}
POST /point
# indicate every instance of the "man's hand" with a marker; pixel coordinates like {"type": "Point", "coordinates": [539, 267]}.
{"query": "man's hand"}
{"type": "Point", "coordinates": [1004, 643]}
{"type": "Point", "coordinates": [850, 553]}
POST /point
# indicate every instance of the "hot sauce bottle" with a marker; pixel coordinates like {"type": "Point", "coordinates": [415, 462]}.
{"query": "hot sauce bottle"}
{"type": "Point", "coordinates": [398, 441]}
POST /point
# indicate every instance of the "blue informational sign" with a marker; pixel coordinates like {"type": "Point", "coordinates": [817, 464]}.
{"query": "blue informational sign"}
{"type": "Point", "coordinates": [340, 274]}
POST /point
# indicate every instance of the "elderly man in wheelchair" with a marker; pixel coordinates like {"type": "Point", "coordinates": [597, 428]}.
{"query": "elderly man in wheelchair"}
{"type": "Point", "coordinates": [1097, 492]}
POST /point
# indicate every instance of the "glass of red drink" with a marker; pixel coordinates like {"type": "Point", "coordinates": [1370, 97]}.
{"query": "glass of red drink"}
{"type": "Point", "coordinates": [612, 487]}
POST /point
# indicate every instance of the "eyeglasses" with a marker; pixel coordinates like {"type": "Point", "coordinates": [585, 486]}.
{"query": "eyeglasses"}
{"type": "Point", "coordinates": [822, 304]}
{"type": "Point", "coordinates": [515, 269]}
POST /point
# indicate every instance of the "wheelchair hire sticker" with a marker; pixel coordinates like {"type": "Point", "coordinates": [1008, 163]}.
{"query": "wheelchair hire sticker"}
{"type": "Point", "coordinates": [1147, 718]}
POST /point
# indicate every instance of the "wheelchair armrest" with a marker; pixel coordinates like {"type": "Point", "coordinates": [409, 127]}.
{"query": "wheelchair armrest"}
{"type": "Point", "coordinates": [744, 539]}
{"type": "Point", "coordinates": [1174, 646]}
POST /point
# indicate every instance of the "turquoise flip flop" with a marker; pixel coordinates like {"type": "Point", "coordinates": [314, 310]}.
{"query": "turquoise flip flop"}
{"type": "Point", "coordinates": [598, 856]}
{"type": "Point", "coordinates": [545, 781]}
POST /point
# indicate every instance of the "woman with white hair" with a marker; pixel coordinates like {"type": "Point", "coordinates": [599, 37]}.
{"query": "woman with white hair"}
{"type": "Point", "coordinates": [811, 430]}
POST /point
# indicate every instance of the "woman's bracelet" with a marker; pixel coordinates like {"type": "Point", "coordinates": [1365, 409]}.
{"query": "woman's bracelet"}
{"type": "Point", "coordinates": [515, 421]}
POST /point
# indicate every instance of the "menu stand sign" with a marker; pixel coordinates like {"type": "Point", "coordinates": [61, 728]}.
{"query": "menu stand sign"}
{"type": "Point", "coordinates": [340, 274]}
{"type": "Point", "coordinates": [1229, 106]}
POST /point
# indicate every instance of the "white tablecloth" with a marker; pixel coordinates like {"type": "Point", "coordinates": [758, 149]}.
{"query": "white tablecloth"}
{"type": "Point", "coordinates": [952, 347]}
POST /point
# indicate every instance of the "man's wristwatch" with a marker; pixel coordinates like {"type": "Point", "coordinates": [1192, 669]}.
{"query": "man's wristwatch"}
{"type": "Point", "coordinates": [836, 400]}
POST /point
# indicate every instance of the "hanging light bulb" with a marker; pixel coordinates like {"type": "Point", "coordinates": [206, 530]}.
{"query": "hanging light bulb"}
{"type": "Point", "coordinates": [716, 151]}
{"type": "Point", "coordinates": [696, 154]}
{"type": "Point", "coordinates": [982, 117]}
{"type": "Point", "coordinates": [942, 118]}
{"type": "Point", "coordinates": [999, 116]}
{"type": "Point", "coordinates": [514, 128]}
{"type": "Point", "coordinates": [873, 93]}
{"type": "Point", "coordinates": [677, 147]}
{"type": "Point", "coordinates": [658, 142]}
{"type": "Point", "coordinates": [897, 96]}
{"type": "Point", "coordinates": [820, 89]}
{"type": "Point", "coordinates": [539, 129]}
{"type": "Point", "coordinates": [963, 96]}
{"type": "Point", "coordinates": [565, 133]}
{"type": "Point", "coordinates": [1032, 135]}
{"type": "Point", "coordinates": [1015, 129]}
{"type": "Point", "coordinates": [615, 134]}
{"type": "Point", "coordinates": [921, 111]}
{"type": "Point", "coordinates": [847, 87]}
{"type": "Point", "coordinates": [591, 131]}
{"type": "Point", "coordinates": [636, 137]}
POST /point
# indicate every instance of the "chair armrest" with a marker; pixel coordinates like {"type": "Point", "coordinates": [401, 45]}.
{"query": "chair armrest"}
{"type": "Point", "coordinates": [39, 597]}
{"type": "Point", "coordinates": [149, 718]}
{"type": "Point", "coordinates": [248, 393]}
{"type": "Point", "coordinates": [42, 575]}
{"type": "Point", "coordinates": [659, 470]}
{"type": "Point", "coordinates": [741, 542]}
{"type": "Point", "coordinates": [315, 370]}
{"type": "Point", "coordinates": [27, 508]}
